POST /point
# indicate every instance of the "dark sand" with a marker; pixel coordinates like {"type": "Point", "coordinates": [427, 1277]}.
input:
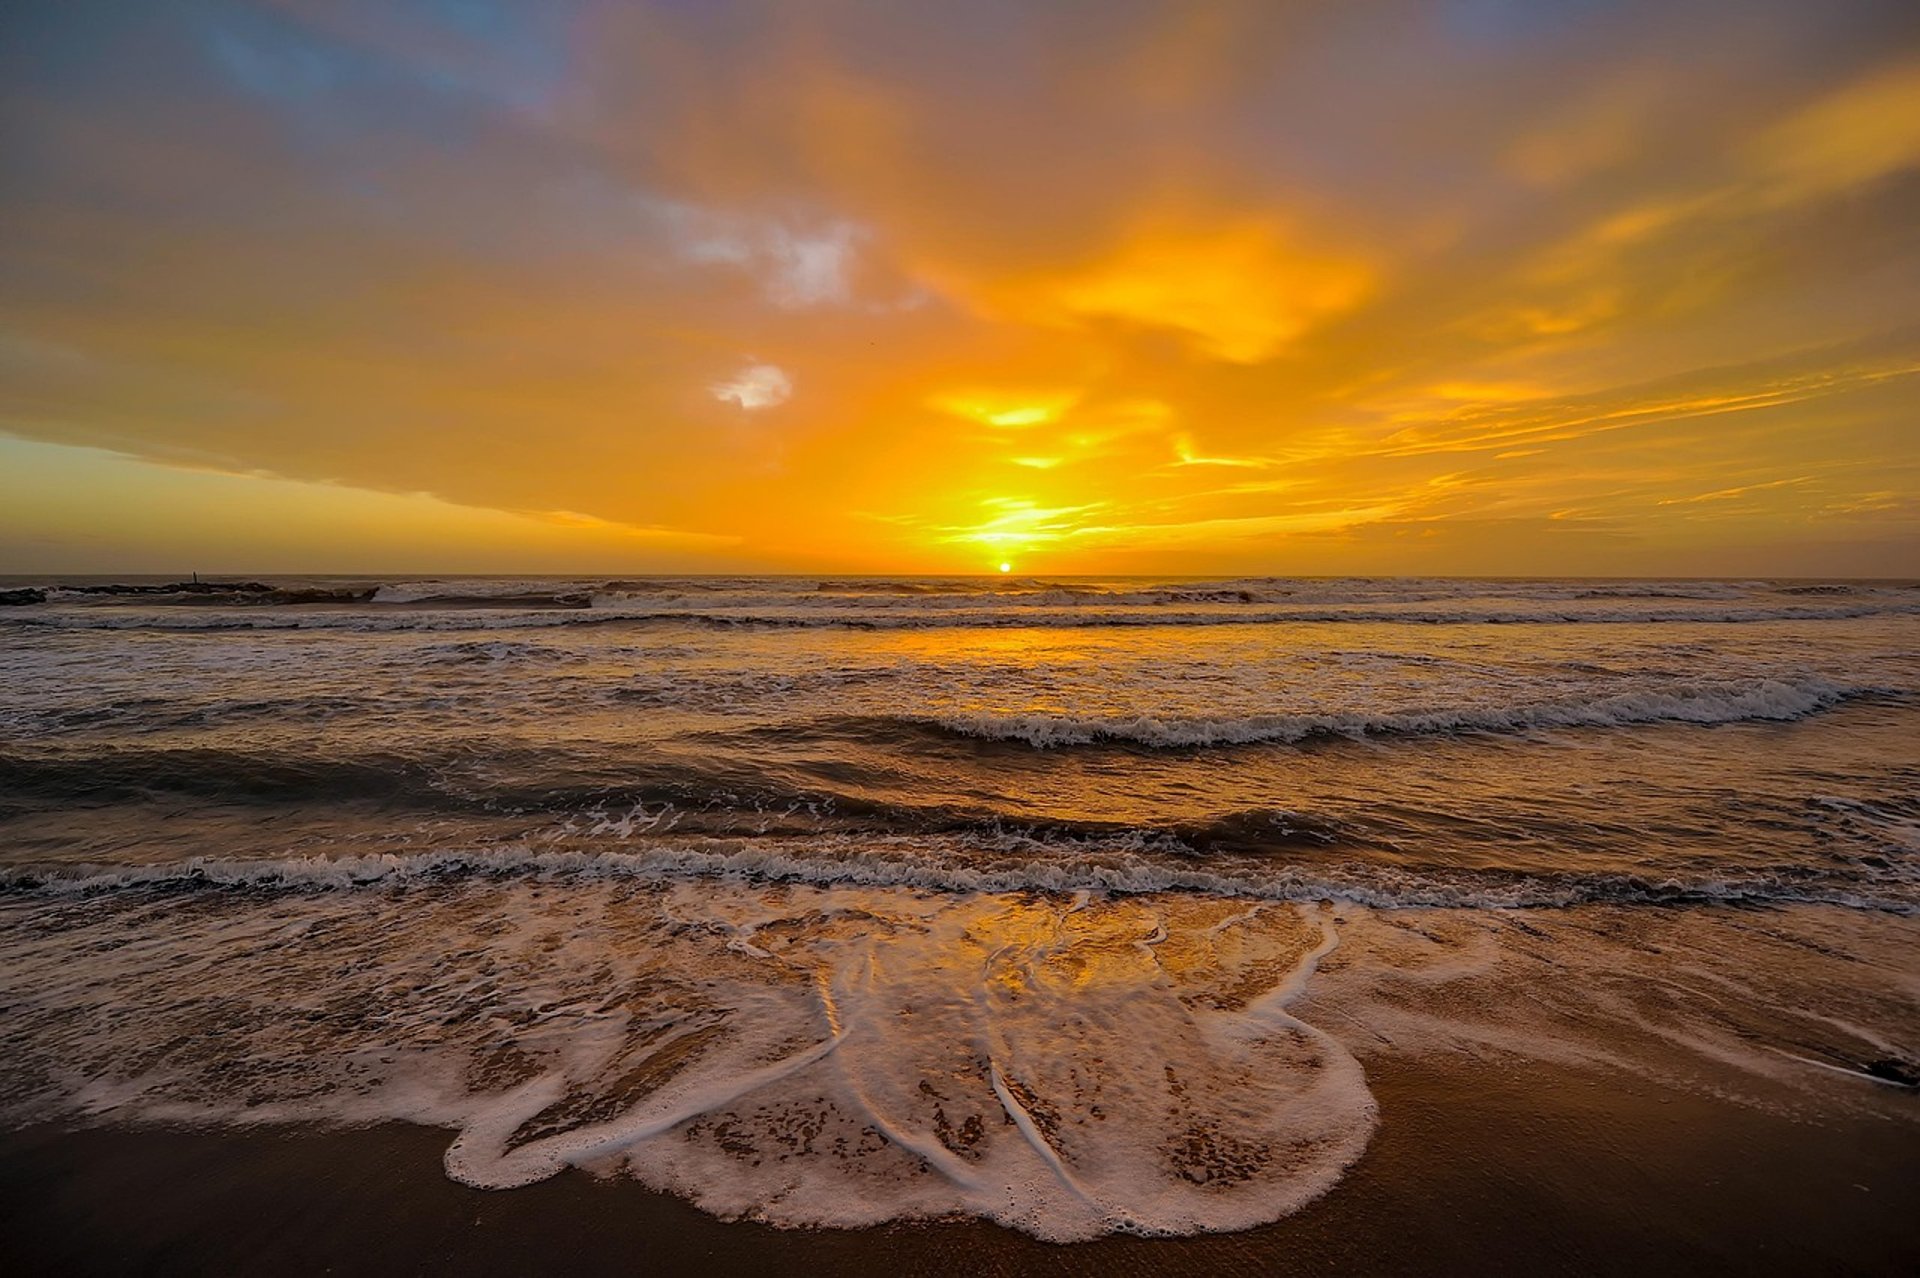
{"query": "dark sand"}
{"type": "Point", "coordinates": [1475, 1169]}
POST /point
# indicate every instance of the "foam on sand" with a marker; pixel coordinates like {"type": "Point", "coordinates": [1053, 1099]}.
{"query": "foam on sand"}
{"type": "Point", "coordinates": [1065, 1065]}
{"type": "Point", "coordinates": [800, 1056]}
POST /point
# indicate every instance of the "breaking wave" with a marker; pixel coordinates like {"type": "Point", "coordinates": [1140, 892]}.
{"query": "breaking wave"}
{"type": "Point", "coordinates": [944, 866]}
{"type": "Point", "coordinates": [460, 603]}
{"type": "Point", "coordinates": [1697, 703]}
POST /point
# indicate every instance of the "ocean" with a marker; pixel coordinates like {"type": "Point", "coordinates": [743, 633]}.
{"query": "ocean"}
{"type": "Point", "coordinates": [1078, 905]}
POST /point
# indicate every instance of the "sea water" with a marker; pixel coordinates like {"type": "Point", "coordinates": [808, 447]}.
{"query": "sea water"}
{"type": "Point", "coordinates": [1080, 905]}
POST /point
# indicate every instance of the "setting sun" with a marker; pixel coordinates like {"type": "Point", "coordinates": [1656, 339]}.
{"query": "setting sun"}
{"type": "Point", "coordinates": [703, 295]}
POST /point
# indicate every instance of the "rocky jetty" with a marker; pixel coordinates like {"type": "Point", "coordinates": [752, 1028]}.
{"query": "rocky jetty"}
{"type": "Point", "coordinates": [197, 592]}
{"type": "Point", "coordinates": [194, 587]}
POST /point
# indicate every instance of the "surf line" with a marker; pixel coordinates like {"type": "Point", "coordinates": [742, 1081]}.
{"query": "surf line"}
{"type": "Point", "coordinates": [541, 1159]}
{"type": "Point", "coordinates": [921, 1144]}
{"type": "Point", "coordinates": [1023, 1121]}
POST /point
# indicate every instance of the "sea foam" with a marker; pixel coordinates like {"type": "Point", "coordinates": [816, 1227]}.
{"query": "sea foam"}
{"type": "Point", "coordinates": [1699, 703]}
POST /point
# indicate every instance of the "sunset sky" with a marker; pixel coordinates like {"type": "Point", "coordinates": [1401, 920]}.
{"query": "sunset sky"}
{"type": "Point", "coordinates": [1261, 287]}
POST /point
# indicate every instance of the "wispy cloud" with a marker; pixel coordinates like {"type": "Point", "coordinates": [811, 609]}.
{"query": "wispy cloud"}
{"type": "Point", "coordinates": [756, 386]}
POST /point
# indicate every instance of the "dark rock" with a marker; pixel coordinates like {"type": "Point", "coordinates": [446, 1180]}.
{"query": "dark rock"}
{"type": "Point", "coordinates": [320, 596]}
{"type": "Point", "coordinates": [1891, 1069]}
{"type": "Point", "coordinates": [17, 598]}
{"type": "Point", "coordinates": [179, 588]}
{"type": "Point", "coordinates": [220, 588]}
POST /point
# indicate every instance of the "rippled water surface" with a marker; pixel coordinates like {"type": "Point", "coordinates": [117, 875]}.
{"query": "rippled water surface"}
{"type": "Point", "coordinates": [845, 901]}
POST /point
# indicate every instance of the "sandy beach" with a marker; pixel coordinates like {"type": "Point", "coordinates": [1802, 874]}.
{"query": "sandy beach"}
{"type": "Point", "coordinates": [1497, 1169]}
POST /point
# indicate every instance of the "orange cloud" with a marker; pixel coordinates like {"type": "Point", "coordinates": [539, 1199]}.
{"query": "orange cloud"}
{"type": "Point", "coordinates": [1239, 293]}
{"type": "Point", "coordinates": [1176, 286]}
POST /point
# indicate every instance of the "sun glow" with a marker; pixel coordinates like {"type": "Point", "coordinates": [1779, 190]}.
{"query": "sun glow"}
{"type": "Point", "coordinates": [836, 317]}
{"type": "Point", "coordinates": [1007, 409]}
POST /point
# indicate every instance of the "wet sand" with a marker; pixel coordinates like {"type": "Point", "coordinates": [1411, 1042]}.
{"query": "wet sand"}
{"type": "Point", "coordinates": [1481, 1168]}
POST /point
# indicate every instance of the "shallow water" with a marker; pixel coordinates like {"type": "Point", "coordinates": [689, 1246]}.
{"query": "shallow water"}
{"type": "Point", "coordinates": [1075, 905]}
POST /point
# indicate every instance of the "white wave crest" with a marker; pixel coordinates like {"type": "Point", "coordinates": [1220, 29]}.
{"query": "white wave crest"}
{"type": "Point", "coordinates": [1701, 703]}
{"type": "Point", "coordinates": [508, 618]}
{"type": "Point", "coordinates": [940, 865]}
